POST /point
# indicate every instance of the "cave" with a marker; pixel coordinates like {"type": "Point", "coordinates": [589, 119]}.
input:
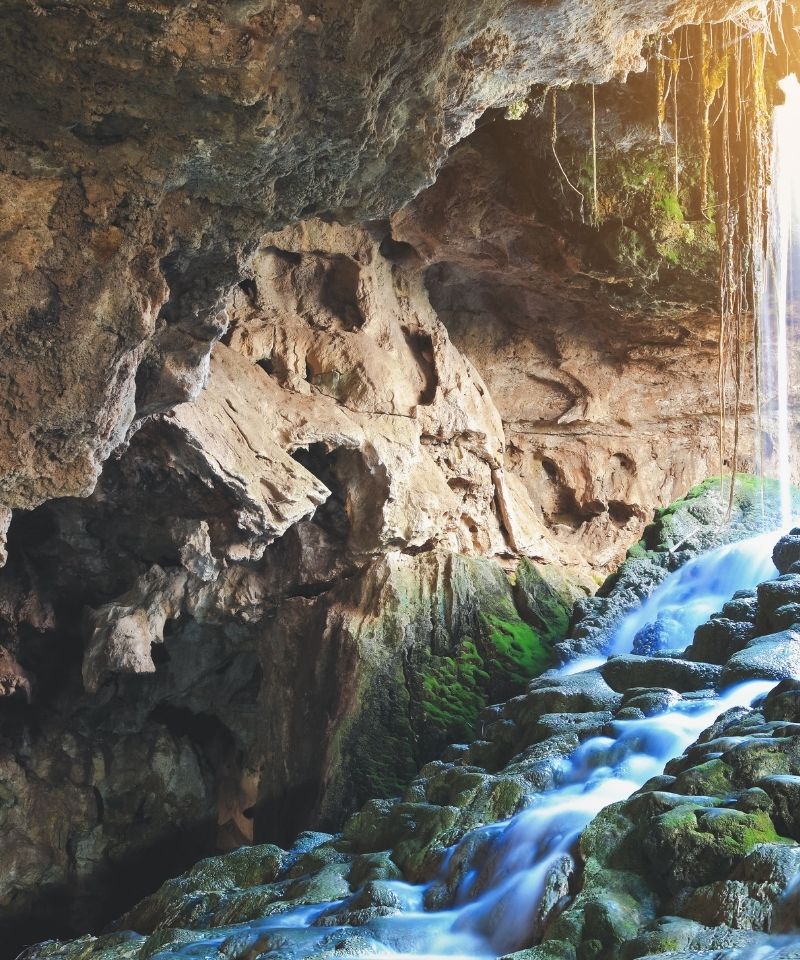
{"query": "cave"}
{"type": "Point", "coordinates": [400, 480]}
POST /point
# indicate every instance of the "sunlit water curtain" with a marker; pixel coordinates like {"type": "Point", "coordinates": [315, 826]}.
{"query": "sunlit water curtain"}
{"type": "Point", "coordinates": [779, 329]}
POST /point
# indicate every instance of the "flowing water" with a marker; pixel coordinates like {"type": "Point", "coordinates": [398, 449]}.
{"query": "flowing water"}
{"type": "Point", "coordinates": [495, 906]}
{"type": "Point", "coordinates": [780, 297]}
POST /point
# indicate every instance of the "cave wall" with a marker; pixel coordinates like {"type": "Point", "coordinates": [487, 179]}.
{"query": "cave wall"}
{"type": "Point", "coordinates": [305, 471]}
{"type": "Point", "coordinates": [596, 333]}
{"type": "Point", "coordinates": [146, 148]}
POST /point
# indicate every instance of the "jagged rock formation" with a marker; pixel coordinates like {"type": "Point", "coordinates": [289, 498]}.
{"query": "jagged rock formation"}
{"type": "Point", "coordinates": [271, 585]}
{"type": "Point", "coordinates": [276, 580]}
{"type": "Point", "coordinates": [309, 561]}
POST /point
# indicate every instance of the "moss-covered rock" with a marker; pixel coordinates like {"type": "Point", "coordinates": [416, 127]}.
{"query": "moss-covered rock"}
{"type": "Point", "coordinates": [448, 635]}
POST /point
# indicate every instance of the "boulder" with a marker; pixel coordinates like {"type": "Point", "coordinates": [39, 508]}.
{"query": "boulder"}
{"type": "Point", "coordinates": [775, 656]}
{"type": "Point", "coordinates": [774, 596]}
{"type": "Point", "coordinates": [784, 791]}
{"type": "Point", "coordinates": [787, 550]}
{"type": "Point", "coordinates": [783, 702]}
{"type": "Point", "coordinates": [628, 671]}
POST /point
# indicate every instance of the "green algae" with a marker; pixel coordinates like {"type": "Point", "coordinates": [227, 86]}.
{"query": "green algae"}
{"type": "Point", "coordinates": [522, 653]}
{"type": "Point", "coordinates": [454, 688]}
{"type": "Point", "coordinates": [448, 639]}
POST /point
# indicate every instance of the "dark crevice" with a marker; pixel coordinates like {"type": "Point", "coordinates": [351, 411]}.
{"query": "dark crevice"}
{"type": "Point", "coordinates": [310, 590]}
{"type": "Point", "coordinates": [98, 799]}
{"type": "Point", "coordinates": [267, 365]}
{"type": "Point", "coordinates": [249, 288]}
{"type": "Point", "coordinates": [201, 728]}
{"type": "Point", "coordinates": [398, 251]}
{"type": "Point", "coordinates": [421, 345]}
{"type": "Point", "coordinates": [339, 291]}
{"type": "Point", "coordinates": [331, 515]}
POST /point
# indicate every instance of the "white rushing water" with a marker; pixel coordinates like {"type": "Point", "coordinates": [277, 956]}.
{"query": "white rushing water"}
{"type": "Point", "coordinates": [780, 296]}
{"type": "Point", "coordinates": [504, 866]}
{"type": "Point", "coordinates": [699, 588]}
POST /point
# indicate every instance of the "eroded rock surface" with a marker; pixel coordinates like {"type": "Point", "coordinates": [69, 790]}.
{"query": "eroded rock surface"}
{"type": "Point", "coordinates": [596, 357]}
{"type": "Point", "coordinates": [703, 858]}
{"type": "Point", "coordinates": [296, 585]}
{"type": "Point", "coordinates": [140, 167]}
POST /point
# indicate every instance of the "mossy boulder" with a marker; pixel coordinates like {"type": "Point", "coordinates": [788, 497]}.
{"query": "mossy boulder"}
{"type": "Point", "coordinates": [693, 845]}
{"type": "Point", "coordinates": [443, 636]}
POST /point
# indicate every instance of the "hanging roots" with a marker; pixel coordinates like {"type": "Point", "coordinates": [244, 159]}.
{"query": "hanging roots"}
{"type": "Point", "coordinates": [731, 64]}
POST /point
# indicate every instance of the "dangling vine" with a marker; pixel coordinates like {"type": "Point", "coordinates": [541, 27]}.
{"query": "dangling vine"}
{"type": "Point", "coordinates": [595, 205]}
{"type": "Point", "coordinates": [705, 185]}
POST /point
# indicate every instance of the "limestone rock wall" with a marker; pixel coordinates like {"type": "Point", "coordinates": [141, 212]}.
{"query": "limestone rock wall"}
{"type": "Point", "coordinates": [601, 366]}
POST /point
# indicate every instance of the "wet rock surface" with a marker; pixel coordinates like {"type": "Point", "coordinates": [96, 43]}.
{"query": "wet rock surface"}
{"type": "Point", "coordinates": [701, 859]}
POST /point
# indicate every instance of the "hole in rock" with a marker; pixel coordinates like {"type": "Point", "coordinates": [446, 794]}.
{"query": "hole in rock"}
{"type": "Point", "coordinates": [339, 292]}
{"type": "Point", "coordinates": [267, 365]}
{"type": "Point", "coordinates": [98, 800]}
{"type": "Point", "coordinates": [331, 515]}
{"type": "Point", "coordinates": [620, 512]}
{"type": "Point", "coordinates": [288, 256]}
{"type": "Point", "coordinates": [249, 288]}
{"type": "Point", "coordinates": [421, 345]}
{"type": "Point", "coordinates": [398, 251]}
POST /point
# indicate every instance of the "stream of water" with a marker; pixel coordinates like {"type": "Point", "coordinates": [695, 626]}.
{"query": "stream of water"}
{"type": "Point", "coordinates": [496, 903]}
{"type": "Point", "coordinates": [495, 906]}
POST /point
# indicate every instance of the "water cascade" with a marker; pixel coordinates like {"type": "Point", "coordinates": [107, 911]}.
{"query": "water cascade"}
{"type": "Point", "coordinates": [777, 327]}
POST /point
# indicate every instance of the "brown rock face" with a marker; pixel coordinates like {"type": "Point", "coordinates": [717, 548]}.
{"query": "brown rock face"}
{"type": "Point", "coordinates": [268, 487]}
{"type": "Point", "coordinates": [146, 147]}
{"type": "Point", "coordinates": [604, 379]}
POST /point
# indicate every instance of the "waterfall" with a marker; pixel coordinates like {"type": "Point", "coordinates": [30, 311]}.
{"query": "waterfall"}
{"type": "Point", "coordinates": [778, 300]}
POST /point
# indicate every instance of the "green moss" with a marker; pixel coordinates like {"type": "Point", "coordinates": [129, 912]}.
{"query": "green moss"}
{"type": "Point", "coordinates": [522, 652]}
{"type": "Point", "coordinates": [456, 688]}
{"type": "Point", "coordinates": [638, 187]}
{"type": "Point", "coordinates": [710, 779]}
{"type": "Point", "coordinates": [671, 206]}
{"type": "Point", "coordinates": [516, 110]}
{"type": "Point", "coordinates": [452, 690]}
{"type": "Point", "coordinates": [460, 641]}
